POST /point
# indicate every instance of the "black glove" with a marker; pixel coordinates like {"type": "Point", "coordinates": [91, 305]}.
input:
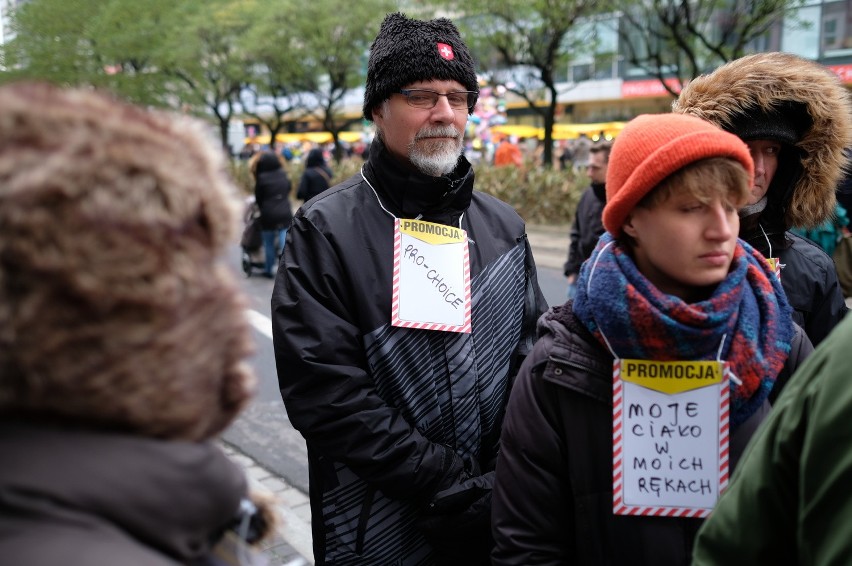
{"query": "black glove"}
{"type": "Point", "coordinates": [457, 522]}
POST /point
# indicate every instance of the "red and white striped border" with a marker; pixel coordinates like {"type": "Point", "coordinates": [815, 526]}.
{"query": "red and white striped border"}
{"type": "Point", "coordinates": [617, 441]}
{"type": "Point", "coordinates": [396, 321]}
{"type": "Point", "coordinates": [724, 428]}
{"type": "Point", "coordinates": [618, 505]}
{"type": "Point", "coordinates": [397, 258]}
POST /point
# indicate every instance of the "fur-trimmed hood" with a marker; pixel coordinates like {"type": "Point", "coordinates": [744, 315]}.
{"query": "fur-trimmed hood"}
{"type": "Point", "coordinates": [771, 81]}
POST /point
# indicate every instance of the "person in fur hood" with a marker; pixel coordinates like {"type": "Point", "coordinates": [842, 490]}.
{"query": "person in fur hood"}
{"type": "Point", "coordinates": [123, 340]}
{"type": "Point", "coordinates": [796, 118]}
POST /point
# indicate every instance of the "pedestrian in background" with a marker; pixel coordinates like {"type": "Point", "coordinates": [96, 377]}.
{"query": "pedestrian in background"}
{"type": "Point", "coordinates": [582, 152]}
{"type": "Point", "coordinates": [669, 281]}
{"type": "Point", "coordinates": [399, 390]}
{"type": "Point", "coordinates": [844, 187]}
{"type": "Point", "coordinates": [124, 341]}
{"type": "Point", "coordinates": [796, 118]}
{"type": "Point", "coordinates": [789, 501]}
{"type": "Point", "coordinates": [316, 177]}
{"type": "Point", "coordinates": [272, 195]}
{"type": "Point", "coordinates": [566, 158]}
{"type": "Point", "coordinates": [842, 254]}
{"type": "Point", "coordinates": [587, 226]}
{"type": "Point", "coordinates": [508, 153]}
{"type": "Point", "coordinates": [829, 233]}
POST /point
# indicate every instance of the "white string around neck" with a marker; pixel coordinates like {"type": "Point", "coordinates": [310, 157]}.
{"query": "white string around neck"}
{"type": "Point", "coordinates": [768, 243]}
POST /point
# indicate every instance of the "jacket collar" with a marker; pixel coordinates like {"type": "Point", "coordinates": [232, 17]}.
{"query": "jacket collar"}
{"type": "Point", "coordinates": [408, 193]}
{"type": "Point", "coordinates": [173, 495]}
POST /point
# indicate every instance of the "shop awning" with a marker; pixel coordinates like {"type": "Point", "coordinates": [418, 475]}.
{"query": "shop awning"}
{"type": "Point", "coordinates": [314, 137]}
{"type": "Point", "coordinates": [571, 131]}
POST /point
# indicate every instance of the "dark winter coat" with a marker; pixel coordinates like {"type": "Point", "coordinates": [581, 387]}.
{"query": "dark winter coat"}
{"type": "Point", "coordinates": [802, 192]}
{"type": "Point", "coordinates": [84, 498]}
{"type": "Point", "coordinates": [810, 282]}
{"type": "Point", "coordinates": [316, 178]}
{"type": "Point", "coordinates": [272, 193]}
{"type": "Point", "coordinates": [586, 228]}
{"type": "Point", "coordinates": [390, 413]}
{"type": "Point", "coordinates": [553, 492]}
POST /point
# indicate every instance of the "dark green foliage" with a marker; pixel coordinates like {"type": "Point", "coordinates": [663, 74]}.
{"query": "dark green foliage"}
{"type": "Point", "coordinates": [541, 196]}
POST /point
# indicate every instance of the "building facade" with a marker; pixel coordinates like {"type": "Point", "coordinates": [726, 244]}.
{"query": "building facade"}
{"type": "Point", "coordinates": [601, 86]}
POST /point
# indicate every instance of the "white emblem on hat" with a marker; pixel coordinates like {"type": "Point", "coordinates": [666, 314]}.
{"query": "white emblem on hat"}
{"type": "Point", "coordinates": [446, 51]}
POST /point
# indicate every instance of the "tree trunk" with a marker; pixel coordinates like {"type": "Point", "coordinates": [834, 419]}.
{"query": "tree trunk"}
{"type": "Point", "coordinates": [549, 119]}
{"type": "Point", "coordinates": [223, 134]}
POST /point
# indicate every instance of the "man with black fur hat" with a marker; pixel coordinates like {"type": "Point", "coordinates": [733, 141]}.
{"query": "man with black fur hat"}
{"type": "Point", "coordinates": [403, 306]}
{"type": "Point", "coordinates": [796, 118]}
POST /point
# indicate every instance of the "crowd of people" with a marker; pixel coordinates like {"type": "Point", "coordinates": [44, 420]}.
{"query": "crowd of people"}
{"type": "Point", "coordinates": [498, 149]}
{"type": "Point", "coordinates": [686, 404]}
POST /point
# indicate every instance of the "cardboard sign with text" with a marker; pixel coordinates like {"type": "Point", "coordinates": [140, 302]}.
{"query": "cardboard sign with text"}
{"type": "Point", "coordinates": [670, 437]}
{"type": "Point", "coordinates": [431, 277]}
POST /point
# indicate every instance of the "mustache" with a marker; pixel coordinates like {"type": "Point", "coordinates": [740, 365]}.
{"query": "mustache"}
{"type": "Point", "coordinates": [438, 132]}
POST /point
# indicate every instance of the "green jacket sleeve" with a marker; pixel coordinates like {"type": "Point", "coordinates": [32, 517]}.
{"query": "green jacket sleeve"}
{"type": "Point", "coordinates": [788, 501]}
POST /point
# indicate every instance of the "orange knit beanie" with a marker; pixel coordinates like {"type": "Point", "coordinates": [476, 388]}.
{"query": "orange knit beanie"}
{"type": "Point", "coordinates": [653, 146]}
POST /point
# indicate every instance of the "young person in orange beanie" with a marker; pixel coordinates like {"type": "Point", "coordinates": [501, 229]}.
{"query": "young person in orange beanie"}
{"type": "Point", "coordinates": [668, 282]}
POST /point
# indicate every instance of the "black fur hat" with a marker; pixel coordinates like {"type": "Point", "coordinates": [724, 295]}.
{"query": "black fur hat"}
{"type": "Point", "coordinates": [409, 50]}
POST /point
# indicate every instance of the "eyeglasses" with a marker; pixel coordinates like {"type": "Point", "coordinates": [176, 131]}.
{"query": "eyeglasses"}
{"type": "Point", "coordinates": [419, 98]}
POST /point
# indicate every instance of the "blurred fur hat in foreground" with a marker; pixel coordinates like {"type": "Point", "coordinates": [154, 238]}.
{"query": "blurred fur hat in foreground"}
{"type": "Point", "coordinates": [116, 309]}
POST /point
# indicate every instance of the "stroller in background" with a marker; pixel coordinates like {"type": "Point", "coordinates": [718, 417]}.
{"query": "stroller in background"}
{"type": "Point", "coordinates": [251, 240]}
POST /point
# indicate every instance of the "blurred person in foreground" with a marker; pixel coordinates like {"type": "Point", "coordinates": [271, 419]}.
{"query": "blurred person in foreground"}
{"type": "Point", "coordinates": [587, 226]}
{"type": "Point", "coordinates": [789, 501]}
{"type": "Point", "coordinates": [796, 118]}
{"type": "Point", "coordinates": [395, 359]}
{"type": "Point", "coordinates": [668, 282]}
{"type": "Point", "coordinates": [123, 345]}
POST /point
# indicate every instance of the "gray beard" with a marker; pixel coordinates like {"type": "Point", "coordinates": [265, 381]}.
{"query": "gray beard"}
{"type": "Point", "coordinates": [436, 163]}
{"type": "Point", "coordinates": [435, 157]}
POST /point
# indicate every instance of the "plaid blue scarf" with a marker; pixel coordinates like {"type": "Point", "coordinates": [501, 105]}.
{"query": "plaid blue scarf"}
{"type": "Point", "coordinates": [749, 309]}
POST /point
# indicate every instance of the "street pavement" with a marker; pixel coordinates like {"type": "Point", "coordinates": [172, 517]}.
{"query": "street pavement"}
{"type": "Point", "coordinates": [292, 545]}
{"type": "Point", "coordinates": [549, 245]}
